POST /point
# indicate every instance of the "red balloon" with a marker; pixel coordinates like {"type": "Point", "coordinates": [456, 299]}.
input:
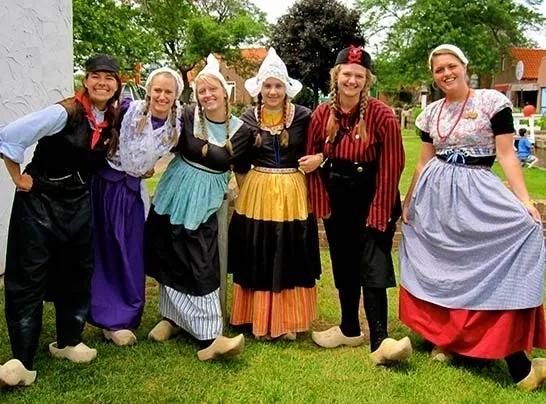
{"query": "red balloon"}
{"type": "Point", "coordinates": [528, 110]}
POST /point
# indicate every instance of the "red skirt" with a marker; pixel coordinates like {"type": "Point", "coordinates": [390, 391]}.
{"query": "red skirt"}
{"type": "Point", "coordinates": [485, 334]}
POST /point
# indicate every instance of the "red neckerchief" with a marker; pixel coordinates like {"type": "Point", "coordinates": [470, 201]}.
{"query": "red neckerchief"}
{"type": "Point", "coordinates": [97, 128]}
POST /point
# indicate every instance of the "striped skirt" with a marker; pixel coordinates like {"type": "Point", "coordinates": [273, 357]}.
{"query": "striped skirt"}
{"type": "Point", "coordinates": [273, 255]}
{"type": "Point", "coordinates": [200, 316]}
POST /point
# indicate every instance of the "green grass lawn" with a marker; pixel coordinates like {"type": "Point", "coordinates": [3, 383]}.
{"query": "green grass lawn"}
{"type": "Point", "coordinates": [267, 372]}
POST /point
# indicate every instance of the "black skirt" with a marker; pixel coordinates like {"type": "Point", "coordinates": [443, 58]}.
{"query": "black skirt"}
{"type": "Point", "coordinates": [185, 260]}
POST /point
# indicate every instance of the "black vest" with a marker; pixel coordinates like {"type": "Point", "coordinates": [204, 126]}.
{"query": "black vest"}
{"type": "Point", "coordinates": [69, 151]}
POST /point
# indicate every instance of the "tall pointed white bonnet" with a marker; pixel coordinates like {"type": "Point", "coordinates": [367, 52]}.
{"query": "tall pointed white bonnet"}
{"type": "Point", "coordinates": [212, 68]}
{"type": "Point", "coordinates": [272, 67]}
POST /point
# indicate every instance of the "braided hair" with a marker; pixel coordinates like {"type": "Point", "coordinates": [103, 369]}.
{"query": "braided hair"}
{"type": "Point", "coordinates": [332, 126]}
{"type": "Point", "coordinates": [283, 138]}
{"type": "Point", "coordinates": [173, 138]}
{"type": "Point", "coordinates": [204, 135]}
{"type": "Point", "coordinates": [144, 119]}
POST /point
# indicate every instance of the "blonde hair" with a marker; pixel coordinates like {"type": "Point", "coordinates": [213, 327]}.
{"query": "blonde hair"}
{"type": "Point", "coordinates": [332, 126]}
{"type": "Point", "coordinates": [173, 138]}
{"type": "Point", "coordinates": [206, 78]}
{"type": "Point", "coordinates": [444, 52]}
{"type": "Point", "coordinates": [283, 138]}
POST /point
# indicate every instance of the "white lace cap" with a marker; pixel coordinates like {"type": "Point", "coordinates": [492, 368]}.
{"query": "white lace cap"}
{"type": "Point", "coordinates": [212, 68]}
{"type": "Point", "coordinates": [272, 67]}
{"type": "Point", "coordinates": [175, 74]}
{"type": "Point", "coordinates": [448, 48]}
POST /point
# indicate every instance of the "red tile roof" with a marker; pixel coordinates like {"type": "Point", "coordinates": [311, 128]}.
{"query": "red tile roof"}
{"type": "Point", "coordinates": [254, 54]}
{"type": "Point", "coordinates": [531, 60]}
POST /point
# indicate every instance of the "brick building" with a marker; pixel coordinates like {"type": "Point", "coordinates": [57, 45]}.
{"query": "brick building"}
{"type": "Point", "coordinates": [530, 89]}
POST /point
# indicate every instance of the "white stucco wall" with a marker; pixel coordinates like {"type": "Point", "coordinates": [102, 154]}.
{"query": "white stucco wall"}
{"type": "Point", "coordinates": [35, 71]}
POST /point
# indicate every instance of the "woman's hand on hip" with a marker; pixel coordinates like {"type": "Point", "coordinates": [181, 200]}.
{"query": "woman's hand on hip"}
{"type": "Point", "coordinates": [24, 183]}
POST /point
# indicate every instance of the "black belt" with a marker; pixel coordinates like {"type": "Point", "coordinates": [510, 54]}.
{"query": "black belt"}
{"type": "Point", "coordinates": [461, 159]}
{"type": "Point", "coordinates": [347, 167]}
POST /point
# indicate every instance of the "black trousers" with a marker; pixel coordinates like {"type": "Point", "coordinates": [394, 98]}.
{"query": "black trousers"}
{"type": "Point", "coordinates": [361, 256]}
{"type": "Point", "coordinates": [49, 257]}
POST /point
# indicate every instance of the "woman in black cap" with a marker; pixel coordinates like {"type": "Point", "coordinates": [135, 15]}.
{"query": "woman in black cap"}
{"type": "Point", "coordinates": [50, 252]}
{"type": "Point", "coordinates": [356, 141]}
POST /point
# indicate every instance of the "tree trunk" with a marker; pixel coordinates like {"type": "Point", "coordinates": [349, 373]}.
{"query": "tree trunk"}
{"type": "Point", "coordinates": [316, 99]}
{"type": "Point", "coordinates": [186, 93]}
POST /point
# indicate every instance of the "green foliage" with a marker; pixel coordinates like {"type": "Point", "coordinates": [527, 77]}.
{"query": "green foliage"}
{"type": "Point", "coordinates": [309, 36]}
{"type": "Point", "coordinates": [78, 81]}
{"type": "Point", "coordinates": [113, 27]}
{"type": "Point", "coordinates": [190, 30]}
{"type": "Point", "coordinates": [179, 31]}
{"type": "Point", "coordinates": [541, 122]}
{"type": "Point", "coordinates": [485, 30]}
{"type": "Point", "coordinates": [239, 108]}
{"type": "Point", "coordinates": [416, 112]}
{"type": "Point", "coordinates": [305, 97]}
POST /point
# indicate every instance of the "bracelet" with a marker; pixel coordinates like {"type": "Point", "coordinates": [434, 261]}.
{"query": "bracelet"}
{"type": "Point", "coordinates": [530, 202]}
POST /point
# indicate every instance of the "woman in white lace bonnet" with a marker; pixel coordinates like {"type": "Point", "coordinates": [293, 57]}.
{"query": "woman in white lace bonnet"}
{"type": "Point", "coordinates": [149, 129]}
{"type": "Point", "coordinates": [273, 243]}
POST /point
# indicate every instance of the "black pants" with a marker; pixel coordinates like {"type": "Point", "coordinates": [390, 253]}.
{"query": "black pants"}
{"type": "Point", "coordinates": [361, 256]}
{"type": "Point", "coordinates": [49, 257]}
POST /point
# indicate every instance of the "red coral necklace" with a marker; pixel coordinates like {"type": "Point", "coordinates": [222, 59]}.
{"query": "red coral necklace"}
{"type": "Point", "coordinates": [456, 122]}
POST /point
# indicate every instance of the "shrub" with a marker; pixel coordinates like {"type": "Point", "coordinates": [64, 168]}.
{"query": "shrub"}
{"type": "Point", "coordinates": [541, 122]}
{"type": "Point", "coordinates": [239, 108]}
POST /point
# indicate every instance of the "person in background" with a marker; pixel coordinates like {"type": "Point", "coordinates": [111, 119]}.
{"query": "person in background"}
{"type": "Point", "coordinates": [525, 149]}
{"type": "Point", "coordinates": [149, 129]}
{"type": "Point", "coordinates": [355, 143]}
{"type": "Point", "coordinates": [181, 235]}
{"type": "Point", "coordinates": [50, 241]}
{"type": "Point", "coordinates": [273, 241]}
{"type": "Point", "coordinates": [472, 252]}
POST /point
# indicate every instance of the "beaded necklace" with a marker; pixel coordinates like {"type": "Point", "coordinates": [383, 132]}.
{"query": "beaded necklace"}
{"type": "Point", "coordinates": [456, 122]}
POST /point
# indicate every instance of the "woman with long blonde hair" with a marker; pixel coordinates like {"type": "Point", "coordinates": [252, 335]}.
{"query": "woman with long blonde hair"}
{"type": "Point", "coordinates": [181, 240]}
{"type": "Point", "coordinates": [355, 145]}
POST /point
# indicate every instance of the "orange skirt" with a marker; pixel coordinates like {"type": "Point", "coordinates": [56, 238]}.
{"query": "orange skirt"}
{"type": "Point", "coordinates": [274, 313]}
{"type": "Point", "coordinates": [485, 334]}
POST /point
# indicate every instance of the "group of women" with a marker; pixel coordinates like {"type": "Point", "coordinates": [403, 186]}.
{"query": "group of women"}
{"type": "Point", "coordinates": [83, 233]}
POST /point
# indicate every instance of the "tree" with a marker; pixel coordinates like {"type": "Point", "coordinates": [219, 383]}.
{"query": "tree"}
{"type": "Point", "coordinates": [309, 36]}
{"type": "Point", "coordinates": [485, 30]}
{"type": "Point", "coordinates": [181, 32]}
{"type": "Point", "coordinates": [108, 26]}
{"type": "Point", "coordinates": [189, 30]}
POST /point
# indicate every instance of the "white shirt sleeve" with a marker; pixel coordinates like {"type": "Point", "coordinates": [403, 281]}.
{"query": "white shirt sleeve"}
{"type": "Point", "coordinates": [18, 135]}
